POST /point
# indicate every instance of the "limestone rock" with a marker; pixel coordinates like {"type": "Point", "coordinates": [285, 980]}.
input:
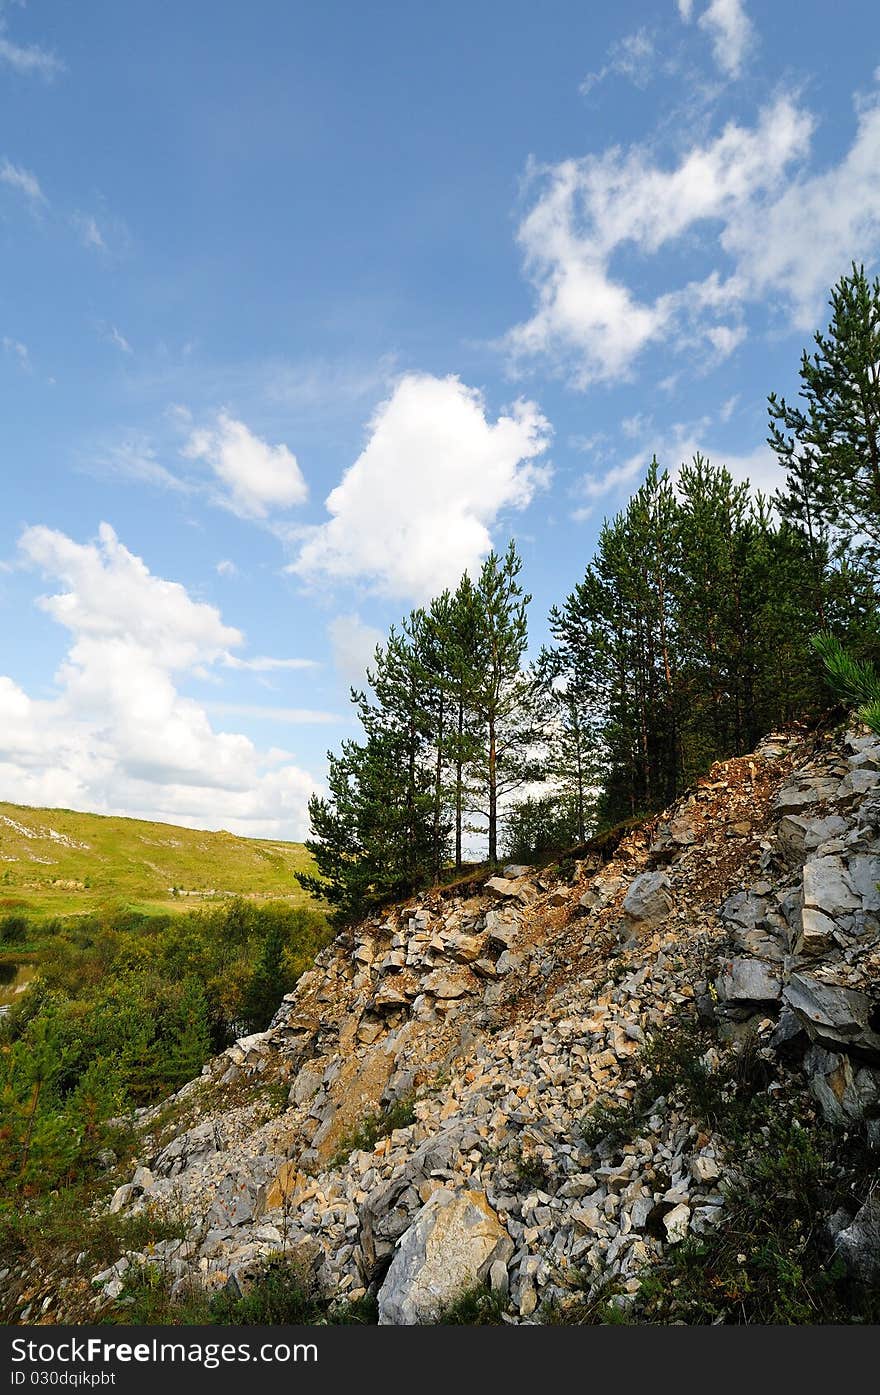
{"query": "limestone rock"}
{"type": "Point", "coordinates": [648, 902]}
{"type": "Point", "coordinates": [450, 1246]}
{"type": "Point", "coordinates": [749, 981]}
{"type": "Point", "coordinates": [859, 1244]}
{"type": "Point", "coordinates": [833, 1014]}
{"type": "Point", "coordinates": [676, 1223]}
{"type": "Point", "coordinates": [828, 887]}
{"type": "Point", "coordinates": [845, 1090]}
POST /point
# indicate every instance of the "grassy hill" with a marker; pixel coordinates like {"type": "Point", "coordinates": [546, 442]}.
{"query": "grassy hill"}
{"type": "Point", "coordinates": [58, 862]}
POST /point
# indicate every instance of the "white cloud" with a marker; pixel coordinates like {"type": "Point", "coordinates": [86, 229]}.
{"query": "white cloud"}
{"type": "Point", "coordinates": [18, 351]}
{"type": "Point", "coordinates": [22, 180]}
{"type": "Point", "coordinates": [674, 446]}
{"type": "Point", "coordinates": [296, 716]}
{"type": "Point", "coordinates": [798, 241]}
{"type": "Point", "coordinates": [262, 664]}
{"type": "Point", "coordinates": [119, 339]}
{"type": "Point", "coordinates": [256, 477]}
{"type": "Point", "coordinates": [416, 508]}
{"type": "Point", "coordinates": [631, 57]}
{"type": "Point", "coordinates": [354, 645]}
{"type": "Point", "coordinates": [28, 59]}
{"type": "Point", "coordinates": [119, 737]}
{"type": "Point", "coordinates": [589, 322]}
{"type": "Point", "coordinates": [90, 234]}
{"type": "Point", "coordinates": [729, 28]}
{"type": "Point", "coordinates": [136, 459]}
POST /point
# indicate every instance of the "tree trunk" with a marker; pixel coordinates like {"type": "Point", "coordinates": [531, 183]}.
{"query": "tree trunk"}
{"type": "Point", "coordinates": [493, 795]}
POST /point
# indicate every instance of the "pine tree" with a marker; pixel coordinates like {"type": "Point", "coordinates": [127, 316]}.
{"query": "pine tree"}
{"type": "Point", "coordinates": [830, 447]}
{"type": "Point", "coordinates": [506, 700]}
{"type": "Point", "coordinates": [856, 681]}
{"type": "Point", "coordinates": [463, 677]}
{"type": "Point", "coordinates": [269, 981]}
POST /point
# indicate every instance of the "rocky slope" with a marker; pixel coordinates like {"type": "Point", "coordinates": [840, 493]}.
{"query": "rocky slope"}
{"type": "Point", "coordinates": [503, 1016]}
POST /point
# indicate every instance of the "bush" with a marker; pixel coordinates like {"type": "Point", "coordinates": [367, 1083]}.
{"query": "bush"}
{"type": "Point", "coordinates": [476, 1307]}
{"type": "Point", "coordinates": [372, 1127]}
{"type": "Point", "coordinates": [282, 1293]}
{"type": "Point", "coordinates": [14, 929]}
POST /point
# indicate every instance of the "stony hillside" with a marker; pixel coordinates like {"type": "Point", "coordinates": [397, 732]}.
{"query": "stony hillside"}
{"type": "Point", "coordinates": [59, 862]}
{"type": "Point", "coordinates": [516, 1036]}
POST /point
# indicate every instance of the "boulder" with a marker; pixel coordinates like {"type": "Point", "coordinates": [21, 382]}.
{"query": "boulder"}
{"type": "Point", "coordinates": [677, 1222]}
{"type": "Point", "coordinates": [464, 948]}
{"type": "Point", "coordinates": [451, 1246]}
{"type": "Point", "coordinates": [121, 1197]}
{"type": "Point", "coordinates": [744, 909]}
{"type": "Point", "coordinates": [447, 985]}
{"type": "Point", "coordinates": [817, 932]}
{"type": "Point", "coordinates": [859, 1245]}
{"type": "Point", "coordinates": [864, 875]}
{"type": "Point", "coordinates": [648, 902]}
{"type": "Point", "coordinates": [746, 980]}
{"type": "Point", "coordinates": [828, 888]}
{"type": "Point", "coordinates": [792, 835]}
{"type": "Point", "coordinates": [832, 1014]}
{"type": "Point", "coordinates": [502, 888]}
{"type": "Point", "coordinates": [844, 1090]}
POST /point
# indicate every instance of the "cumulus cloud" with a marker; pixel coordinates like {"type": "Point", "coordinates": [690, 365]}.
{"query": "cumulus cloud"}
{"type": "Point", "coordinates": [255, 477]}
{"type": "Point", "coordinates": [798, 241]}
{"type": "Point", "coordinates": [417, 507]}
{"type": "Point", "coordinates": [120, 737]}
{"type": "Point", "coordinates": [781, 231]}
{"type": "Point", "coordinates": [22, 181]}
{"type": "Point", "coordinates": [729, 28]}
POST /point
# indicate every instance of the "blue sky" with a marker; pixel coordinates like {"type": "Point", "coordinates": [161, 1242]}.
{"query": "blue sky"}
{"type": "Point", "coordinates": [304, 307]}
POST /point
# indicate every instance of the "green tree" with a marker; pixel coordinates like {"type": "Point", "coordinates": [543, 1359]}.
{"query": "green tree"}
{"type": "Point", "coordinates": [830, 445]}
{"type": "Point", "coordinates": [269, 981]}
{"type": "Point", "coordinates": [507, 700]}
{"type": "Point", "coordinates": [855, 681]}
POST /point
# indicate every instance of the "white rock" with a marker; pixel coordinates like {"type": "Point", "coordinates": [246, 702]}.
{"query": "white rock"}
{"type": "Point", "coordinates": [450, 1246]}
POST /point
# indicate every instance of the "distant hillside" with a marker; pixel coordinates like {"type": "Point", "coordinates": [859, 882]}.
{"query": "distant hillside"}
{"type": "Point", "coordinates": [57, 861]}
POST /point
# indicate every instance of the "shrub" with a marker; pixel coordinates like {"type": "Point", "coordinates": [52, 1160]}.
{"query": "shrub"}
{"type": "Point", "coordinates": [13, 929]}
{"type": "Point", "coordinates": [372, 1127]}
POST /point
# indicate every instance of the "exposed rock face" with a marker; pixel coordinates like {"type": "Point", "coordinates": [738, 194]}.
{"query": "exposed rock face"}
{"type": "Point", "coordinates": [859, 1244]}
{"type": "Point", "coordinates": [451, 1245]}
{"type": "Point", "coordinates": [502, 1015]}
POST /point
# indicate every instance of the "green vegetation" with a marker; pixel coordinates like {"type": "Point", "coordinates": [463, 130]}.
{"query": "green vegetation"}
{"type": "Point", "coordinates": [451, 730]}
{"type": "Point", "coordinates": [126, 1008]}
{"type": "Point", "coordinates": [855, 681]}
{"type": "Point", "coordinates": [476, 1307]}
{"type": "Point", "coordinates": [770, 1260]}
{"type": "Point", "coordinates": [283, 1293]}
{"type": "Point", "coordinates": [688, 639]}
{"type": "Point", "coordinates": [56, 862]}
{"type": "Point", "coordinates": [372, 1127]}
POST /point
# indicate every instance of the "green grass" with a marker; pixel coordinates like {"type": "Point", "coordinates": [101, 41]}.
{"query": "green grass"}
{"type": "Point", "coordinates": [55, 862]}
{"type": "Point", "coordinates": [282, 1293]}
